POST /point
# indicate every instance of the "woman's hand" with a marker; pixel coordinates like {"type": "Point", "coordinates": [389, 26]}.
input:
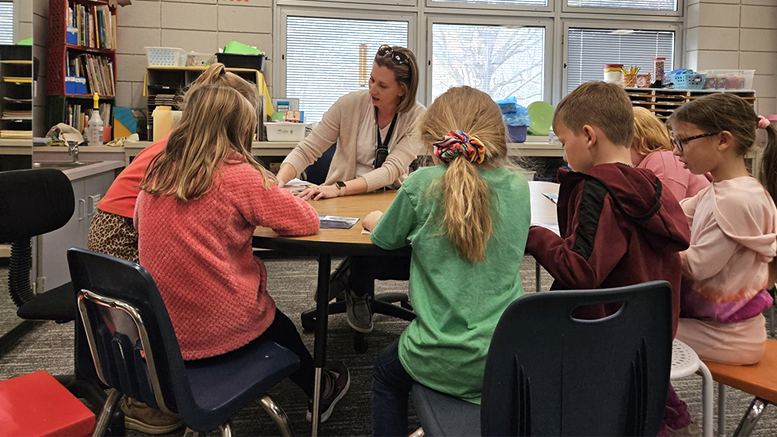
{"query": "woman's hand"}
{"type": "Point", "coordinates": [371, 220]}
{"type": "Point", "coordinates": [318, 192]}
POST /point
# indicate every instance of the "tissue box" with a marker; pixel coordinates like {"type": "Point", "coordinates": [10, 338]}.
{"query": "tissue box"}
{"type": "Point", "coordinates": [75, 85]}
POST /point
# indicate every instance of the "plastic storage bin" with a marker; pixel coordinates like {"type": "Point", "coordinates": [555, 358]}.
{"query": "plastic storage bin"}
{"type": "Point", "coordinates": [729, 79]}
{"type": "Point", "coordinates": [285, 131]}
{"type": "Point", "coordinates": [237, 60]}
{"type": "Point", "coordinates": [517, 134]}
{"type": "Point", "coordinates": [71, 37]}
{"type": "Point", "coordinates": [75, 85]}
{"type": "Point", "coordinates": [165, 56]}
{"type": "Point", "coordinates": [687, 81]}
{"type": "Point", "coordinates": [194, 59]}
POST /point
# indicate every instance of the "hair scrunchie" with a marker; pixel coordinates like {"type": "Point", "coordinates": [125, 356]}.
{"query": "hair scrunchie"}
{"type": "Point", "coordinates": [460, 143]}
{"type": "Point", "coordinates": [763, 122]}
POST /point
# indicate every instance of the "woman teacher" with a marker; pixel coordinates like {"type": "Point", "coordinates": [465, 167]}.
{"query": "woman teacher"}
{"type": "Point", "coordinates": [373, 130]}
{"type": "Point", "coordinates": [376, 142]}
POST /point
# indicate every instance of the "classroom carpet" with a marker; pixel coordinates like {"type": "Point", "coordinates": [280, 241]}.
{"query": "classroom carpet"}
{"type": "Point", "coordinates": [291, 282]}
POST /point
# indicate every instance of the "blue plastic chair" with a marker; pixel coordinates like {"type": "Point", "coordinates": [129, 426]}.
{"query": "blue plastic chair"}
{"type": "Point", "coordinates": [549, 373]}
{"type": "Point", "coordinates": [125, 339]}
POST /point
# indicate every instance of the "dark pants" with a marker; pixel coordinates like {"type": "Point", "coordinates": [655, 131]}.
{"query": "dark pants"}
{"type": "Point", "coordinates": [366, 269]}
{"type": "Point", "coordinates": [391, 386]}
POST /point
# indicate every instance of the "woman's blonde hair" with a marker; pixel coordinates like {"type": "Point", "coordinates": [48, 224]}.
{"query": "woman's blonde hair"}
{"type": "Point", "coordinates": [649, 133]}
{"type": "Point", "coordinates": [219, 119]}
{"type": "Point", "coordinates": [406, 74]}
{"type": "Point", "coordinates": [467, 196]}
{"type": "Point", "coordinates": [216, 123]}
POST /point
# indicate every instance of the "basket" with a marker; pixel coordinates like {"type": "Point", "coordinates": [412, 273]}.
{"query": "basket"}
{"type": "Point", "coordinates": [687, 81]}
{"type": "Point", "coordinates": [165, 56]}
{"type": "Point", "coordinates": [194, 59]}
{"type": "Point", "coordinates": [285, 131]}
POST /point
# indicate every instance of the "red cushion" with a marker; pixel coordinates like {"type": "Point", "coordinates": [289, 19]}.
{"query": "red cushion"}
{"type": "Point", "coordinates": [37, 405]}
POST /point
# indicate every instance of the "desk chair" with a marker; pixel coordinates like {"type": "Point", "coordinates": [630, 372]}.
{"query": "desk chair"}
{"type": "Point", "coordinates": [759, 379]}
{"type": "Point", "coordinates": [125, 339]}
{"type": "Point", "coordinates": [35, 202]}
{"type": "Point", "coordinates": [551, 374]}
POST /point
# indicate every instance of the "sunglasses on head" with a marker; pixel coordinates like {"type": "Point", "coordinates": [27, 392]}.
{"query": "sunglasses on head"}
{"type": "Point", "coordinates": [680, 142]}
{"type": "Point", "coordinates": [397, 57]}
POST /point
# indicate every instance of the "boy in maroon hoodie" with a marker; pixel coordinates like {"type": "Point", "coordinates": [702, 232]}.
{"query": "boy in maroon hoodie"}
{"type": "Point", "coordinates": [618, 225]}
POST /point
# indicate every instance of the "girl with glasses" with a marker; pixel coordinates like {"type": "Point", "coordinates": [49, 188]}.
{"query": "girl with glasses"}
{"type": "Point", "coordinates": [726, 269]}
{"type": "Point", "coordinates": [375, 140]}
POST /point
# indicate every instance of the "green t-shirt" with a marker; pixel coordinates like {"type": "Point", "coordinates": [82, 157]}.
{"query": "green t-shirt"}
{"type": "Point", "coordinates": [457, 303]}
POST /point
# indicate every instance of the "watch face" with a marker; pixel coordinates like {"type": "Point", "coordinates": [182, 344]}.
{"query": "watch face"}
{"type": "Point", "coordinates": [340, 184]}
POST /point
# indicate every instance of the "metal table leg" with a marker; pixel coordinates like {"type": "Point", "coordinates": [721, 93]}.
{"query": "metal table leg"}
{"type": "Point", "coordinates": [537, 276]}
{"type": "Point", "coordinates": [319, 345]}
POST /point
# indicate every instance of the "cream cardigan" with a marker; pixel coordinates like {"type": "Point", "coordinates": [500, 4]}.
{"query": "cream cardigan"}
{"type": "Point", "coordinates": [342, 123]}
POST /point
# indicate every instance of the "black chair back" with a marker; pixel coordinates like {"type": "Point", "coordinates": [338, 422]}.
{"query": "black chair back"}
{"type": "Point", "coordinates": [551, 374]}
{"type": "Point", "coordinates": [124, 320]}
{"type": "Point", "coordinates": [34, 202]}
{"type": "Point", "coordinates": [316, 172]}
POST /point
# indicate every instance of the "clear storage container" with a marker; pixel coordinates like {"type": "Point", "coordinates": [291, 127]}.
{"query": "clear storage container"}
{"type": "Point", "coordinates": [729, 79]}
{"type": "Point", "coordinates": [285, 131]}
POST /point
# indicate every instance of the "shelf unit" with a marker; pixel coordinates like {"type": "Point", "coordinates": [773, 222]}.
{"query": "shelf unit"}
{"type": "Point", "coordinates": [663, 102]}
{"type": "Point", "coordinates": [164, 85]}
{"type": "Point", "coordinates": [16, 98]}
{"type": "Point", "coordinates": [94, 52]}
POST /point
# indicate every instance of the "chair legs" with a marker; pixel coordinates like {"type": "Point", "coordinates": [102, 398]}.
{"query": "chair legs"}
{"type": "Point", "coordinates": [107, 412]}
{"type": "Point", "coordinates": [751, 417]}
{"type": "Point", "coordinates": [721, 410]}
{"type": "Point", "coordinates": [707, 399]}
{"type": "Point", "coordinates": [276, 414]}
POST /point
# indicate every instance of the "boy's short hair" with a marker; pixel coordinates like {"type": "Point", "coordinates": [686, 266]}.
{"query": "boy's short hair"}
{"type": "Point", "coordinates": [600, 104]}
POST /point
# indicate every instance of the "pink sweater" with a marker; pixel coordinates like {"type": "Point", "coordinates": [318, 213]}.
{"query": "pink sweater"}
{"type": "Point", "coordinates": [733, 230]}
{"type": "Point", "coordinates": [676, 178]}
{"type": "Point", "coordinates": [199, 254]}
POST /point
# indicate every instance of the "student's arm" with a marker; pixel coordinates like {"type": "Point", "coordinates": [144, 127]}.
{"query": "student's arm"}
{"type": "Point", "coordinates": [394, 226]}
{"type": "Point", "coordinates": [587, 256]}
{"type": "Point", "coordinates": [275, 208]}
{"type": "Point", "coordinates": [712, 251]}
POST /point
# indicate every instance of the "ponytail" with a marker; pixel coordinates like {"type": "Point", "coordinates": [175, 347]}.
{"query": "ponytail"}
{"type": "Point", "coordinates": [467, 201]}
{"type": "Point", "coordinates": [768, 171]}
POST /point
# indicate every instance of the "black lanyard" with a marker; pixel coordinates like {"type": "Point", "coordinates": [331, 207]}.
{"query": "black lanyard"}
{"type": "Point", "coordinates": [381, 148]}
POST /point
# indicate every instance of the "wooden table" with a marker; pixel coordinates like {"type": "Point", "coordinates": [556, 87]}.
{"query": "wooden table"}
{"type": "Point", "coordinates": [346, 242]}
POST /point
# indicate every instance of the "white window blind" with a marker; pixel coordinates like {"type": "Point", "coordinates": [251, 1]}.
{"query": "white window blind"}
{"type": "Point", "coordinates": [651, 5]}
{"type": "Point", "coordinates": [327, 58]}
{"type": "Point", "coordinates": [500, 61]}
{"type": "Point", "coordinates": [6, 23]}
{"type": "Point", "coordinates": [589, 49]}
{"type": "Point", "coordinates": [498, 2]}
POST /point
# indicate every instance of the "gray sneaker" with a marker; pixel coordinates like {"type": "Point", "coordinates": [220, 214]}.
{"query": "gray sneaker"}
{"type": "Point", "coordinates": [358, 311]}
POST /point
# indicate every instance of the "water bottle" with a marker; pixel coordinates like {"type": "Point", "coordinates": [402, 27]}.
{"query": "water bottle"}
{"type": "Point", "coordinates": [95, 136]}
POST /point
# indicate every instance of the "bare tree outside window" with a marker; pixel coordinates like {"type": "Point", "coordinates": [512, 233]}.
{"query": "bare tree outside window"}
{"type": "Point", "coordinates": [500, 61]}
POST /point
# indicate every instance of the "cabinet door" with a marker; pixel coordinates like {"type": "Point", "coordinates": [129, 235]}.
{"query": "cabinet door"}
{"type": "Point", "coordinates": [52, 250]}
{"type": "Point", "coordinates": [94, 189]}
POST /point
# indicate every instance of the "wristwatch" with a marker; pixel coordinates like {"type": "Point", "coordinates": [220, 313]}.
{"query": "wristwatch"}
{"type": "Point", "coordinates": [341, 186]}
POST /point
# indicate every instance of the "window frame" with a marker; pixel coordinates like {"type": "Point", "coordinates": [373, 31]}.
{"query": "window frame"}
{"type": "Point", "coordinates": [677, 28]}
{"type": "Point", "coordinates": [279, 28]}
{"type": "Point", "coordinates": [547, 23]}
{"type": "Point", "coordinates": [679, 13]}
{"type": "Point", "coordinates": [485, 8]}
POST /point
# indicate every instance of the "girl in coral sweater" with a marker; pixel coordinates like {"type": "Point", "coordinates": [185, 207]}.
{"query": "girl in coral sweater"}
{"type": "Point", "coordinates": [200, 202]}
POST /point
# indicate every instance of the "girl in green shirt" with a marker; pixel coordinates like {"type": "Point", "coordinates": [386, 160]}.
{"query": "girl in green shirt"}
{"type": "Point", "coordinates": [467, 220]}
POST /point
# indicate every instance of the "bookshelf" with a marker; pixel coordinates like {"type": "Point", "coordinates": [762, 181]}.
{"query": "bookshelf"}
{"type": "Point", "coordinates": [81, 60]}
{"type": "Point", "coordinates": [663, 102]}
{"type": "Point", "coordinates": [165, 85]}
{"type": "Point", "coordinates": [16, 98]}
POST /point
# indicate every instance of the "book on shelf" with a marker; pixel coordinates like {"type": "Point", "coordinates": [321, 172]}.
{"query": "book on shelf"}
{"type": "Point", "coordinates": [98, 71]}
{"type": "Point", "coordinates": [95, 25]}
{"type": "Point", "coordinates": [15, 134]}
{"type": "Point", "coordinates": [78, 115]}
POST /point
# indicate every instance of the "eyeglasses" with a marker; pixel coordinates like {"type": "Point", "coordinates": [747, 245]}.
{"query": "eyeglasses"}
{"type": "Point", "coordinates": [678, 142]}
{"type": "Point", "coordinates": [397, 57]}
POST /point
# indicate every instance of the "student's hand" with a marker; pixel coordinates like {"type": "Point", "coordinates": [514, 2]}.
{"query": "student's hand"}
{"type": "Point", "coordinates": [281, 182]}
{"type": "Point", "coordinates": [371, 220]}
{"type": "Point", "coordinates": [318, 192]}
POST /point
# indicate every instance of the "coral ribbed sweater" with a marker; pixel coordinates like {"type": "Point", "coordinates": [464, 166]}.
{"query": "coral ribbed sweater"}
{"type": "Point", "coordinates": [199, 254]}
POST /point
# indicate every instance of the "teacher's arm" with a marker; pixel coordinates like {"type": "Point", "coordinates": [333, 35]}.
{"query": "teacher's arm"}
{"type": "Point", "coordinates": [313, 146]}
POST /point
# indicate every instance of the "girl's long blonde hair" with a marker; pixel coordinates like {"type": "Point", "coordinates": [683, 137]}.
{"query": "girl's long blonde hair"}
{"type": "Point", "coordinates": [466, 195]}
{"type": "Point", "coordinates": [219, 119]}
{"type": "Point", "coordinates": [650, 134]}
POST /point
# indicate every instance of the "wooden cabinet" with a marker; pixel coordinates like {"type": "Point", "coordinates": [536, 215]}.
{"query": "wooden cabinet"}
{"type": "Point", "coordinates": [52, 270]}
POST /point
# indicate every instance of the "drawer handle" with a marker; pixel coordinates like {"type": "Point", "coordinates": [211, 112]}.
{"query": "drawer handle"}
{"type": "Point", "coordinates": [92, 202]}
{"type": "Point", "coordinates": [81, 209]}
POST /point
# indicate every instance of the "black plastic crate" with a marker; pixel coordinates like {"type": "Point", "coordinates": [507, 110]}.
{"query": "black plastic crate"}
{"type": "Point", "coordinates": [236, 60]}
{"type": "Point", "coordinates": [10, 52]}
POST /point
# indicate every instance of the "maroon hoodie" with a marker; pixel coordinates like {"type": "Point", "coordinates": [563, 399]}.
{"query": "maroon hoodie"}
{"type": "Point", "coordinates": [618, 227]}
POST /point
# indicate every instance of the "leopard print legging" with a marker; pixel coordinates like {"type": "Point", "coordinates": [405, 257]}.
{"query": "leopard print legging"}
{"type": "Point", "coordinates": [113, 235]}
